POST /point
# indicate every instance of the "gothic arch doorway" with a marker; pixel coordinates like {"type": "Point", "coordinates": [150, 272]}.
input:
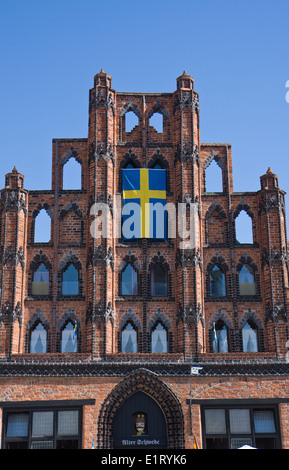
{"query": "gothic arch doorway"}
{"type": "Point", "coordinates": [139, 424]}
{"type": "Point", "coordinates": [141, 403]}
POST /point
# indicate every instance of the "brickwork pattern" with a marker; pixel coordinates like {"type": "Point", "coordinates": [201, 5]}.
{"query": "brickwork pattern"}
{"type": "Point", "coordinates": [188, 312]}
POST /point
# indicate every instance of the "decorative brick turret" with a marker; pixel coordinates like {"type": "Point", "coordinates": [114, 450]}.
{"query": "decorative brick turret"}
{"type": "Point", "coordinates": [13, 255]}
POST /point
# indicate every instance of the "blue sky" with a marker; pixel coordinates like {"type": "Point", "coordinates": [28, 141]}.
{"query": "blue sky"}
{"type": "Point", "coordinates": [237, 52]}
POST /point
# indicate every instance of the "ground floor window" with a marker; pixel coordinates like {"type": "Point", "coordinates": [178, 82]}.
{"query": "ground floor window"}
{"type": "Point", "coordinates": [42, 429]}
{"type": "Point", "coordinates": [234, 427]}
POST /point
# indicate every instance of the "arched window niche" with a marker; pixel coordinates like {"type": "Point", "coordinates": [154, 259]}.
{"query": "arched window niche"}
{"type": "Point", "coordinates": [247, 284]}
{"type": "Point", "coordinates": [38, 339]}
{"type": "Point", "coordinates": [40, 282]}
{"type": "Point", "coordinates": [129, 338]}
{"type": "Point", "coordinates": [69, 338]}
{"type": "Point", "coordinates": [70, 280]}
{"type": "Point", "coordinates": [42, 227]}
{"type": "Point", "coordinates": [217, 281]}
{"type": "Point", "coordinates": [220, 337]}
{"type": "Point", "coordinates": [243, 228]}
{"type": "Point", "coordinates": [250, 336]}
{"type": "Point", "coordinates": [159, 339]}
{"type": "Point", "coordinates": [129, 280]}
{"type": "Point", "coordinates": [72, 175]}
{"type": "Point", "coordinates": [213, 178]}
{"type": "Point", "coordinates": [159, 281]}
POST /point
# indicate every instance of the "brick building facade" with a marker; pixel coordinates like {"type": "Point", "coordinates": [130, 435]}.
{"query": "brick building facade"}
{"type": "Point", "coordinates": [147, 311]}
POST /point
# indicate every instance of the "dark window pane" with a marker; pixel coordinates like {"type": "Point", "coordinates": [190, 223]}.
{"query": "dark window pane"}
{"type": "Point", "coordinates": [158, 281]}
{"type": "Point", "coordinates": [217, 282]}
{"type": "Point", "coordinates": [17, 445]}
{"type": "Point", "coordinates": [266, 443]}
{"type": "Point", "coordinates": [67, 444]}
{"type": "Point", "coordinates": [217, 443]}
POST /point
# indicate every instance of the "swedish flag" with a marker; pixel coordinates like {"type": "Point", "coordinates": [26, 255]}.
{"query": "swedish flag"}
{"type": "Point", "coordinates": [215, 339]}
{"type": "Point", "coordinates": [147, 189]}
{"type": "Point", "coordinates": [75, 330]}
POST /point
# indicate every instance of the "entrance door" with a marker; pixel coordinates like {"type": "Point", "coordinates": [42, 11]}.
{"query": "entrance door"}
{"type": "Point", "coordinates": [139, 424]}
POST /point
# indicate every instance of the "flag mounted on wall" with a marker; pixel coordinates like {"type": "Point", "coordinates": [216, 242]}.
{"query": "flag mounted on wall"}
{"type": "Point", "coordinates": [144, 200]}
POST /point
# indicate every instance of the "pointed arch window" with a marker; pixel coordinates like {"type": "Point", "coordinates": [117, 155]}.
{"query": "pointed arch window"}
{"type": "Point", "coordinates": [69, 338]}
{"type": "Point", "coordinates": [217, 282]}
{"type": "Point", "coordinates": [40, 283]}
{"type": "Point", "coordinates": [213, 178]}
{"type": "Point", "coordinates": [220, 337]}
{"type": "Point", "coordinates": [38, 339]}
{"type": "Point", "coordinates": [72, 175]}
{"type": "Point", "coordinates": [244, 228]}
{"type": "Point", "coordinates": [159, 339]}
{"type": "Point", "coordinates": [129, 281]}
{"type": "Point", "coordinates": [250, 337]}
{"type": "Point", "coordinates": [159, 280]}
{"type": "Point", "coordinates": [42, 227]}
{"type": "Point", "coordinates": [129, 339]}
{"type": "Point", "coordinates": [247, 285]}
{"type": "Point", "coordinates": [70, 280]}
